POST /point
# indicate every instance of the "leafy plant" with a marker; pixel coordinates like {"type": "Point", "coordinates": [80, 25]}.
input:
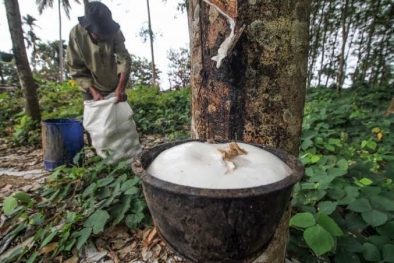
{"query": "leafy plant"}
{"type": "Point", "coordinates": [74, 204]}
{"type": "Point", "coordinates": [345, 203]}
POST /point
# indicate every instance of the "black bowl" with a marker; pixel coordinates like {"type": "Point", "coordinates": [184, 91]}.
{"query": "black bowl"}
{"type": "Point", "coordinates": [209, 225]}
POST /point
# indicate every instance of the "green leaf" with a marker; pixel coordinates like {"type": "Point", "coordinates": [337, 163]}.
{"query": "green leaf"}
{"type": "Point", "coordinates": [114, 194]}
{"type": "Point", "coordinates": [97, 221]}
{"type": "Point", "coordinates": [336, 172]}
{"type": "Point", "coordinates": [355, 223]}
{"type": "Point", "coordinates": [330, 147]}
{"type": "Point", "coordinates": [71, 216]}
{"type": "Point", "coordinates": [126, 203]}
{"type": "Point", "coordinates": [343, 256]}
{"type": "Point", "coordinates": [379, 241]}
{"type": "Point", "coordinates": [23, 197]}
{"type": "Point", "coordinates": [84, 235]}
{"type": "Point", "coordinates": [327, 207]}
{"type": "Point", "coordinates": [132, 191]}
{"type": "Point", "coordinates": [372, 145]}
{"type": "Point", "coordinates": [386, 229]}
{"type": "Point", "coordinates": [70, 244]}
{"type": "Point", "coordinates": [329, 225]}
{"type": "Point", "coordinates": [350, 197]}
{"type": "Point", "coordinates": [382, 203]}
{"type": "Point", "coordinates": [53, 196]}
{"type": "Point", "coordinates": [388, 253]}
{"type": "Point", "coordinates": [360, 205]}
{"type": "Point", "coordinates": [365, 181]}
{"type": "Point", "coordinates": [371, 252]}
{"type": "Point", "coordinates": [36, 219]}
{"type": "Point", "coordinates": [129, 183]}
{"type": "Point", "coordinates": [9, 205]}
{"type": "Point", "coordinates": [364, 143]}
{"type": "Point", "coordinates": [133, 220]}
{"type": "Point", "coordinates": [374, 218]}
{"type": "Point", "coordinates": [314, 158]}
{"type": "Point", "coordinates": [48, 239]}
{"type": "Point", "coordinates": [336, 142]}
{"type": "Point", "coordinates": [343, 164]}
{"type": "Point", "coordinates": [303, 220]}
{"type": "Point", "coordinates": [102, 192]}
{"type": "Point", "coordinates": [32, 257]}
{"type": "Point", "coordinates": [309, 171]}
{"type": "Point", "coordinates": [336, 193]}
{"type": "Point", "coordinates": [350, 244]}
{"type": "Point", "coordinates": [319, 239]}
{"type": "Point", "coordinates": [306, 144]}
{"type": "Point", "coordinates": [55, 174]}
{"type": "Point", "coordinates": [89, 190]}
{"type": "Point", "coordinates": [138, 206]}
{"type": "Point", "coordinates": [105, 181]}
{"type": "Point", "coordinates": [370, 190]}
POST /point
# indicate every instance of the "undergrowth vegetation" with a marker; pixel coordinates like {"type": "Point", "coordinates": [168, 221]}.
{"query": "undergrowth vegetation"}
{"type": "Point", "coordinates": [155, 112]}
{"type": "Point", "coordinates": [343, 209]}
{"type": "Point", "coordinates": [345, 202]}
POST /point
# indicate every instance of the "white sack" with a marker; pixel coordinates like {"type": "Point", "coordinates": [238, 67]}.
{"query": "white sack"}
{"type": "Point", "coordinates": [112, 128]}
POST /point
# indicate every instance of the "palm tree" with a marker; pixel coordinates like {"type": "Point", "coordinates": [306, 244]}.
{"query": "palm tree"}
{"type": "Point", "coordinates": [42, 4]}
{"type": "Point", "coordinates": [32, 108]}
{"type": "Point", "coordinates": [31, 37]}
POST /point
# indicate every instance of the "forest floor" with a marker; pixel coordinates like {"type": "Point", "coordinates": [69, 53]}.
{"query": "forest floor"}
{"type": "Point", "coordinates": [22, 169]}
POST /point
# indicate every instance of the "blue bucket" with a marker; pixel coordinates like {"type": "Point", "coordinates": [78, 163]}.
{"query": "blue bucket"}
{"type": "Point", "coordinates": [62, 139]}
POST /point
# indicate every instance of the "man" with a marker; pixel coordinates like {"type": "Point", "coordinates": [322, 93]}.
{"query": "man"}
{"type": "Point", "coordinates": [96, 54]}
{"type": "Point", "coordinates": [100, 64]}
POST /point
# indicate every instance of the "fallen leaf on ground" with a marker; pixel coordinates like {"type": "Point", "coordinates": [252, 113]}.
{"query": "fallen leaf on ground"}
{"type": "Point", "coordinates": [73, 259]}
{"type": "Point", "coordinates": [151, 236]}
{"type": "Point", "coordinates": [48, 248]}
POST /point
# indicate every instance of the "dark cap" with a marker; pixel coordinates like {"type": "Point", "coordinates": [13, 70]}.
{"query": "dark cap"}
{"type": "Point", "coordinates": [98, 19]}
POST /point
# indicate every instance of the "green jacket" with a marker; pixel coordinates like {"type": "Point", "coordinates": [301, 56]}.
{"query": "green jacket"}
{"type": "Point", "coordinates": [97, 64]}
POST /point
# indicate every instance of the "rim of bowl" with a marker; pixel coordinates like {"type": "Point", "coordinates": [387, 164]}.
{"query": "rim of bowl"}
{"type": "Point", "coordinates": [142, 161]}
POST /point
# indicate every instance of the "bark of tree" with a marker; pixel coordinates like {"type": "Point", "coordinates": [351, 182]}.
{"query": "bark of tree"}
{"type": "Point", "coordinates": [151, 45]}
{"type": "Point", "coordinates": [345, 33]}
{"type": "Point", "coordinates": [28, 85]}
{"type": "Point", "coordinates": [61, 60]}
{"type": "Point", "coordinates": [370, 37]}
{"type": "Point", "coordinates": [315, 31]}
{"type": "Point", "coordinates": [1, 75]}
{"type": "Point", "coordinates": [390, 109]}
{"type": "Point", "coordinates": [257, 92]}
{"type": "Point", "coordinates": [325, 17]}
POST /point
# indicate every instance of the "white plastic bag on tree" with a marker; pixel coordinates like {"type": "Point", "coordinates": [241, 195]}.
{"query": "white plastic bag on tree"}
{"type": "Point", "coordinates": [112, 129]}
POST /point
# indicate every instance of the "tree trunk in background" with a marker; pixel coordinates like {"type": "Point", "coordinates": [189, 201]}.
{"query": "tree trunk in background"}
{"type": "Point", "coordinates": [61, 67]}
{"type": "Point", "coordinates": [366, 61]}
{"type": "Point", "coordinates": [257, 92]}
{"type": "Point", "coordinates": [151, 46]}
{"type": "Point", "coordinates": [29, 87]}
{"type": "Point", "coordinates": [345, 32]}
{"type": "Point", "coordinates": [1, 74]}
{"type": "Point", "coordinates": [390, 109]}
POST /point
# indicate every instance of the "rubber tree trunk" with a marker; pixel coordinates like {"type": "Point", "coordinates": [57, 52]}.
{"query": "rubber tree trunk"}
{"type": "Point", "coordinates": [28, 85]}
{"type": "Point", "coordinates": [249, 69]}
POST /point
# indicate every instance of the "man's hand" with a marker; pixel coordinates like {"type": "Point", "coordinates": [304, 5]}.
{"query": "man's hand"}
{"type": "Point", "coordinates": [120, 90]}
{"type": "Point", "coordinates": [120, 95]}
{"type": "Point", "coordinates": [95, 94]}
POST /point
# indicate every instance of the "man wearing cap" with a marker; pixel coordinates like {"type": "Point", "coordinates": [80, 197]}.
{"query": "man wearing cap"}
{"type": "Point", "coordinates": [96, 54]}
